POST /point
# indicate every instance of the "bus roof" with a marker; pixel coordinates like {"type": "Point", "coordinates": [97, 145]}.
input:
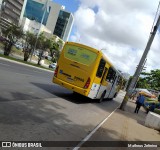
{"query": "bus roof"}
{"type": "Point", "coordinates": [79, 44]}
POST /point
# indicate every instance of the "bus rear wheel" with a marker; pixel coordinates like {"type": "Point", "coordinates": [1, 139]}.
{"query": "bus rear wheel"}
{"type": "Point", "coordinates": [102, 97]}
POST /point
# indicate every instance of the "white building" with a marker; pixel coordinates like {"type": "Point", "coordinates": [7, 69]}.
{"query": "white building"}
{"type": "Point", "coordinates": [33, 26]}
{"type": "Point", "coordinates": [64, 25]}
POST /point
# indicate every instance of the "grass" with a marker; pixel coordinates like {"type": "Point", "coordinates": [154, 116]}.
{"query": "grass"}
{"type": "Point", "coordinates": [17, 51]}
{"type": "Point", "coordinates": [20, 53]}
{"type": "Point", "coordinates": [157, 111]}
{"type": "Point", "coordinates": [48, 62]}
{"type": "Point", "coordinates": [28, 63]}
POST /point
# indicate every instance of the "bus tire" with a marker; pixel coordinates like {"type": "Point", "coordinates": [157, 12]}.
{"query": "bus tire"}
{"type": "Point", "coordinates": [102, 97]}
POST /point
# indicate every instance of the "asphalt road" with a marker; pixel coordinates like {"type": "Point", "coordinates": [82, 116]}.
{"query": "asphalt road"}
{"type": "Point", "coordinates": [33, 108]}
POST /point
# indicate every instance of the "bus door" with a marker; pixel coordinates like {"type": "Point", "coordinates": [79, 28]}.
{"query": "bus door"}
{"type": "Point", "coordinates": [114, 88]}
{"type": "Point", "coordinates": [96, 86]}
{"type": "Point", "coordinates": [103, 85]}
{"type": "Point", "coordinates": [110, 78]}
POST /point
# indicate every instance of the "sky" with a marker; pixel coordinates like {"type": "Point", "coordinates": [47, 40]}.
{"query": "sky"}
{"type": "Point", "coordinates": [120, 28]}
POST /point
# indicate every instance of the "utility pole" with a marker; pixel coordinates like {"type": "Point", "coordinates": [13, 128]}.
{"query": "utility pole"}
{"type": "Point", "coordinates": [141, 63]}
{"type": "Point", "coordinates": [142, 68]}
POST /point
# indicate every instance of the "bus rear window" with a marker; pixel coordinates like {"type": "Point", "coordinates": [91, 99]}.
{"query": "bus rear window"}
{"type": "Point", "coordinates": [79, 54]}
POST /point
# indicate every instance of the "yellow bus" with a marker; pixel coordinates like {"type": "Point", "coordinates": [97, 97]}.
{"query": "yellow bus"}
{"type": "Point", "coordinates": [87, 71]}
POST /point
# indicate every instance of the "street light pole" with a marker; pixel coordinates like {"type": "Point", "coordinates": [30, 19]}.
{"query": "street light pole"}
{"type": "Point", "coordinates": [138, 70]}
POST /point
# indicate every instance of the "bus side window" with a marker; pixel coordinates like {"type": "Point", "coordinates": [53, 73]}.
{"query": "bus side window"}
{"type": "Point", "coordinates": [104, 74]}
{"type": "Point", "coordinates": [100, 68]}
{"type": "Point", "coordinates": [119, 81]}
{"type": "Point", "coordinates": [111, 75]}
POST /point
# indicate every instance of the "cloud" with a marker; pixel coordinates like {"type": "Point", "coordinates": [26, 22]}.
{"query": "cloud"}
{"type": "Point", "coordinates": [120, 27]}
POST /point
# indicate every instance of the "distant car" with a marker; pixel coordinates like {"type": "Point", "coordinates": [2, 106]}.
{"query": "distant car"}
{"type": "Point", "coordinates": [53, 66]}
{"type": "Point", "coordinates": [36, 53]}
{"type": "Point", "coordinates": [49, 58]}
{"type": "Point", "coordinates": [19, 46]}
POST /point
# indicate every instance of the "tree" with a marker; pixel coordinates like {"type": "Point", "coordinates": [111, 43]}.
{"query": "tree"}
{"type": "Point", "coordinates": [43, 44]}
{"type": "Point", "coordinates": [142, 83]}
{"type": "Point", "coordinates": [13, 33]}
{"type": "Point", "coordinates": [55, 50]}
{"type": "Point", "coordinates": [29, 45]}
{"type": "Point", "coordinates": [150, 80]}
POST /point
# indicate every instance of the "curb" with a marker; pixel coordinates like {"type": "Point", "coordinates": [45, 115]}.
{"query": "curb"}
{"type": "Point", "coordinates": [24, 64]}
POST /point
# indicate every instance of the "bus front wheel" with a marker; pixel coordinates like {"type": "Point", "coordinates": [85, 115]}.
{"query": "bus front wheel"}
{"type": "Point", "coordinates": [102, 97]}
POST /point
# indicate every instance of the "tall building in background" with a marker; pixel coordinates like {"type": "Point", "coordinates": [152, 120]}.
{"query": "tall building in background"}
{"type": "Point", "coordinates": [56, 19]}
{"type": "Point", "coordinates": [34, 11]}
{"type": "Point", "coordinates": [63, 25]}
{"type": "Point", "coordinates": [12, 12]}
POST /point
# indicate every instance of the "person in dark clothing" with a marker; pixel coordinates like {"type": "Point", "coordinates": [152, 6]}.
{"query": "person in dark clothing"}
{"type": "Point", "coordinates": [139, 102]}
{"type": "Point", "coordinates": [159, 98]}
{"type": "Point", "coordinates": [152, 107]}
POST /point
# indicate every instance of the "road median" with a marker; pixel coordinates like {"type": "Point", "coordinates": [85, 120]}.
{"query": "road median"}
{"type": "Point", "coordinates": [21, 62]}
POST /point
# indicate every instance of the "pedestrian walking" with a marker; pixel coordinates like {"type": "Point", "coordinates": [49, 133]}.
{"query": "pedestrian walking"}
{"type": "Point", "coordinates": [139, 102]}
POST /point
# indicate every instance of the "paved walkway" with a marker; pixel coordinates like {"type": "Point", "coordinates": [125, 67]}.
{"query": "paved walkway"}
{"type": "Point", "coordinates": [125, 126]}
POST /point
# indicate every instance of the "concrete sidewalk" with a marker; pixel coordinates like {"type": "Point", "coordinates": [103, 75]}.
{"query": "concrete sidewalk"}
{"type": "Point", "coordinates": [125, 126]}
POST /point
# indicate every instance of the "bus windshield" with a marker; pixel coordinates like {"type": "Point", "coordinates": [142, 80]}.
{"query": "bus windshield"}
{"type": "Point", "coordinates": [79, 54]}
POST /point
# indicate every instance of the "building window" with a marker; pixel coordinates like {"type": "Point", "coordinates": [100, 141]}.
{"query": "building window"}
{"type": "Point", "coordinates": [35, 11]}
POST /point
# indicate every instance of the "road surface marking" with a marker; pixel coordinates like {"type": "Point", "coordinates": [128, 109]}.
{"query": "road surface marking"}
{"type": "Point", "coordinates": [93, 131]}
{"type": "Point", "coordinates": [4, 64]}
